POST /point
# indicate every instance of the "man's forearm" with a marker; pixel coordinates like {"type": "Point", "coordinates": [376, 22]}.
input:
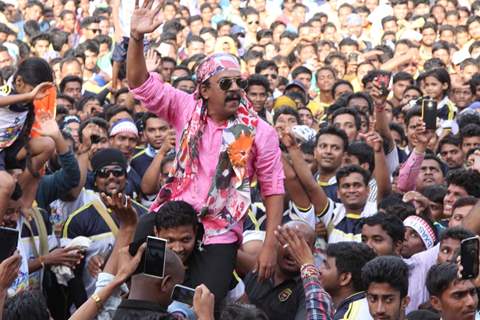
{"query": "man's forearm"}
{"type": "Point", "coordinates": [137, 72]}
{"type": "Point", "coordinates": [274, 210]}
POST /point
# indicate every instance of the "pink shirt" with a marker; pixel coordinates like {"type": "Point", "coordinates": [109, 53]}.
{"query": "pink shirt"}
{"type": "Point", "coordinates": [176, 107]}
{"type": "Point", "coordinates": [407, 176]}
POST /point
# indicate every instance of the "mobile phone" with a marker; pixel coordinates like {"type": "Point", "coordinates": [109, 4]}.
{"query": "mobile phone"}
{"type": "Point", "coordinates": [9, 241]}
{"type": "Point", "coordinates": [155, 257]}
{"type": "Point", "coordinates": [353, 57]}
{"type": "Point", "coordinates": [383, 81]}
{"type": "Point", "coordinates": [183, 294]}
{"type": "Point", "coordinates": [469, 257]}
{"type": "Point", "coordinates": [429, 113]}
{"type": "Point", "coordinates": [303, 133]}
{"type": "Point", "coordinates": [95, 139]}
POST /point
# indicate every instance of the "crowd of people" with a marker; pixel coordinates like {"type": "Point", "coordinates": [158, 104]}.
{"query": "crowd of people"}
{"type": "Point", "coordinates": [287, 152]}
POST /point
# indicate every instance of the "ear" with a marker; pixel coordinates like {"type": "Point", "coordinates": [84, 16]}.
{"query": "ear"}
{"type": "Point", "coordinates": [204, 91]}
{"type": "Point", "coordinates": [397, 247]}
{"type": "Point", "coordinates": [345, 279]}
{"type": "Point", "coordinates": [166, 283]}
{"type": "Point", "coordinates": [365, 166]}
{"type": "Point", "coordinates": [444, 86]}
{"type": "Point", "coordinates": [19, 83]}
{"type": "Point", "coordinates": [404, 303]}
{"type": "Point", "coordinates": [436, 303]}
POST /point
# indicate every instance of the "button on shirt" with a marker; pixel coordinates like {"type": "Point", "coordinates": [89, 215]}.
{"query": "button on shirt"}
{"type": "Point", "coordinates": [176, 107]}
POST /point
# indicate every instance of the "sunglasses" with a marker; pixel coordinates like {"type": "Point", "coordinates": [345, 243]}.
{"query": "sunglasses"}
{"type": "Point", "coordinates": [105, 172]}
{"type": "Point", "coordinates": [226, 83]}
{"type": "Point", "coordinates": [95, 30]}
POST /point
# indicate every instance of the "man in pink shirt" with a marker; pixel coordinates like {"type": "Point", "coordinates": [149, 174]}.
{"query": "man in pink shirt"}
{"type": "Point", "coordinates": [221, 145]}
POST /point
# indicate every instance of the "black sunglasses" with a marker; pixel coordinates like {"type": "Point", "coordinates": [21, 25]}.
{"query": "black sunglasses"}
{"type": "Point", "coordinates": [106, 172]}
{"type": "Point", "coordinates": [226, 83]}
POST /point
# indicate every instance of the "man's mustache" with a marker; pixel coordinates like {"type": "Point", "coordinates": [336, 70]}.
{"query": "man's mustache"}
{"type": "Point", "coordinates": [233, 96]}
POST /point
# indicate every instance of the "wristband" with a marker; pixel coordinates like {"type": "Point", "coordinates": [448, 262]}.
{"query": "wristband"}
{"type": "Point", "coordinates": [98, 301]}
{"type": "Point", "coordinates": [308, 271]}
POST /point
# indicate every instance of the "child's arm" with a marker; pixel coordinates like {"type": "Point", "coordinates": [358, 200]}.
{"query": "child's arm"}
{"type": "Point", "coordinates": [37, 93]}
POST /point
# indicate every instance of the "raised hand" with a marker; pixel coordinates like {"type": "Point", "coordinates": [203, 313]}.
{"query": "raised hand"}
{"type": "Point", "coordinates": [168, 143]}
{"type": "Point", "coordinates": [152, 60]}
{"type": "Point", "coordinates": [121, 205]}
{"type": "Point", "coordinates": [287, 138]}
{"type": "Point", "coordinates": [203, 302]}
{"type": "Point", "coordinates": [422, 136]}
{"type": "Point", "coordinates": [40, 91]}
{"type": "Point", "coordinates": [145, 19]}
{"type": "Point", "coordinates": [48, 126]}
{"type": "Point", "coordinates": [9, 269]}
{"type": "Point", "coordinates": [296, 246]}
{"type": "Point", "coordinates": [128, 264]}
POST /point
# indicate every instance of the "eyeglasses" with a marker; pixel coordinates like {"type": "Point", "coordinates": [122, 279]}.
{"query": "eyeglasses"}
{"type": "Point", "coordinates": [254, 22]}
{"type": "Point", "coordinates": [226, 83]}
{"type": "Point", "coordinates": [106, 172]}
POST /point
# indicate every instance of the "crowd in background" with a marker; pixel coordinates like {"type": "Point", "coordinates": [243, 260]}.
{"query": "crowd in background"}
{"type": "Point", "coordinates": [375, 200]}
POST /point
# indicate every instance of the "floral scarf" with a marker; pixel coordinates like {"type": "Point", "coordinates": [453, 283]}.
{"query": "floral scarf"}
{"type": "Point", "coordinates": [229, 194]}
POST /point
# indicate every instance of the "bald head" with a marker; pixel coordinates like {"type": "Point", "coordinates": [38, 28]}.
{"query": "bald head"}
{"type": "Point", "coordinates": [174, 266]}
{"type": "Point", "coordinates": [303, 229]}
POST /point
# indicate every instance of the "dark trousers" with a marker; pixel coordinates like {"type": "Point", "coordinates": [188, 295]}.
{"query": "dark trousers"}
{"type": "Point", "coordinates": [213, 267]}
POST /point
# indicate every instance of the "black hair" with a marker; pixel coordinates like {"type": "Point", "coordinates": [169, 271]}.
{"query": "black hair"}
{"type": "Point", "coordinates": [88, 21]}
{"type": "Point", "coordinates": [258, 80]}
{"type": "Point", "coordinates": [466, 179]}
{"type": "Point", "coordinates": [335, 132]}
{"type": "Point", "coordinates": [363, 152]}
{"type": "Point", "coordinates": [435, 193]}
{"type": "Point", "coordinates": [264, 65]}
{"type": "Point", "coordinates": [402, 76]}
{"type": "Point", "coordinates": [115, 109]}
{"type": "Point", "coordinates": [440, 276]}
{"type": "Point", "coordinates": [470, 130]}
{"type": "Point", "coordinates": [34, 71]}
{"type": "Point", "coordinates": [307, 147]}
{"type": "Point", "coordinates": [237, 311]}
{"type": "Point", "coordinates": [441, 164]}
{"type": "Point", "coordinates": [263, 33]}
{"type": "Point", "coordinates": [345, 171]}
{"type": "Point", "coordinates": [299, 70]}
{"type": "Point", "coordinates": [67, 79]}
{"type": "Point", "coordinates": [456, 233]}
{"type": "Point", "coordinates": [180, 79]}
{"type": "Point", "coordinates": [441, 74]}
{"type": "Point", "coordinates": [428, 25]}
{"type": "Point", "coordinates": [413, 112]}
{"type": "Point", "coordinates": [286, 110]}
{"type": "Point", "coordinates": [430, 64]}
{"type": "Point", "coordinates": [388, 19]}
{"type": "Point", "coordinates": [464, 201]}
{"type": "Point", "coordinates": [102, 123]}
{"type": "Point", "coordinates": [27, 304]}
{"type": "Point", "coordinates": [401, 210]}
{"type": "Point", "coordinates": [392, 225]}
{"type": "Point", "coordinates": [350, 257]}
{"type": "Point", "coordinates": [339, 83]}
{"type": "Point", "coordinates": [399, 129]}
{"type": "Point", "coordinates": [387, 269]}
{"type": "Point", "coordinates": [58, 39]}
{"type": "Point", "coordinates": [361, 95]}
{"type": "Point", "coordinates": [351, 111]}
{"type": "Point", "coordinates": [336, 55]}
{"type": "Point", "coordinates": [31, 28]}
{"type": "Point", "coordinates": [176, 214]}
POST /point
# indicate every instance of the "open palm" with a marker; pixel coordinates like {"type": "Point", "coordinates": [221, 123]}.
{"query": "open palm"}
{"type": "Point", "coordinates": [145, 19]}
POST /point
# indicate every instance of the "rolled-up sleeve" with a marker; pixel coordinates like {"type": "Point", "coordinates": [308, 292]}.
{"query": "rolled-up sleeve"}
{"type": "Point", "coordinates": [267, 162]}
{"type": "Point", "coordinates": [407, 176]}
{"type": "Point", "coordinates": [166, 102]}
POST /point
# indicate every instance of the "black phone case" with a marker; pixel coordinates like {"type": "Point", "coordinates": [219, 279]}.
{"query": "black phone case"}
{"type": "Point", "coordinates": [429, 113]}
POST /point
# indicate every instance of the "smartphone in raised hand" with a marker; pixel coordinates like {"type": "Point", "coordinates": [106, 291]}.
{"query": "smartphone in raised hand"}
{"type": "Point", "coordinates": [183, 294]}
{"type": "Point", "coordinates": [9, 242]}
{"type": "Point", "coordinates": [429, 113]}
{"type": "Point", "coordinates": [469, 257]}
{"type": "Point", "coordinates": [155, 257]}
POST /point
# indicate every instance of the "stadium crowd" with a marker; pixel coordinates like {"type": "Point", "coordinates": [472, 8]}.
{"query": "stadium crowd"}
{"type": "Point", "coordinates": [303, 159]}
